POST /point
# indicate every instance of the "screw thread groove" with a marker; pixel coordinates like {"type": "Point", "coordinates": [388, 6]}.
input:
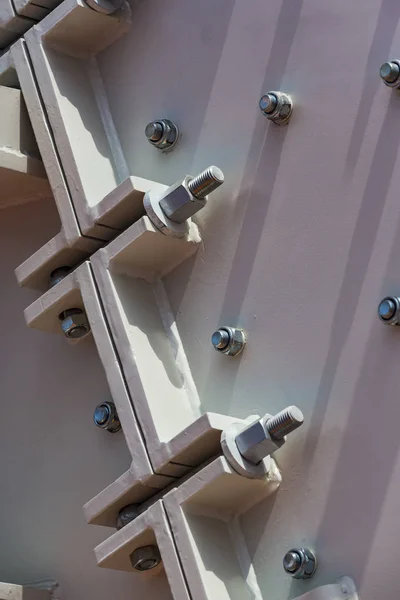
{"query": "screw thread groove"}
{"type": "Point", "coordinates": [284, 422]}
{"type": "Point", "coordinates": [206, 182]}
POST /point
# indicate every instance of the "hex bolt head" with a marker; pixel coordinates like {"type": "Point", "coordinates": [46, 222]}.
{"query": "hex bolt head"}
{"type": "Point", "coordinates": [229, 340]}
{"type": "Point", "coordinates": [145, 558]}
{"type": "Point", "coordinates": [389, 310]}
{"type": "Point", "coordinates": [390, 73]}
{"type": "Point", "coordinates": [126, 515]}
{"type": "Point", "coordinates": [74, 323]}
{"type": "Point", "coordinates": [300, 563]}
{"type": "Point", "coordinates": [105, 416]}
{"type": "Point", "coordinates": [162, 134]}
{"type": "Point", "coordinates": [58, 275]}
{"type": "Point", "coordinates": [277, 107]}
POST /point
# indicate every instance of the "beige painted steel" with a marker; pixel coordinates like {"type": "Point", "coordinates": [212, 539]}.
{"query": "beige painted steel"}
{"type": "Point", "coordinates": [10, 591]}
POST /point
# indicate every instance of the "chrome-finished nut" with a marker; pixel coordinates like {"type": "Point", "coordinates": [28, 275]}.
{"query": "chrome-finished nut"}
{"type": "Point", "coordinates": [389, 310]}
{"type": "Point", "coordinates": [74, 323]}
{"type": "Point", "coordinates": [277, 107]}
{"type": "Point", "coordinates": [179, 204]}
{"type": "Point", "coordinates": [229, 340]}
{"type": "Point", "coordinates": [105, 416]}
{"type": "Point", "coordinates": [390, 73]}
{"type": "Point", "coordinates": [300, 563]}
{"type": "Point", "coordinates": [126, 515]}
{"type": "Point", "coordinates": [145, 558]}
{"type": "Point", "coordinates": [162, 134]}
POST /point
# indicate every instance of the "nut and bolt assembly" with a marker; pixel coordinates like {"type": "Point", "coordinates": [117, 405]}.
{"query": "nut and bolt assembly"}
{"type": "Point", "coordinates": [389, 310]}
{"type": "Point", "coordinates": [229, 340]}
{"type": "Point", "coordinates": [264, 436]}
{"type": "Point", "coordinates": [300, 563]}
{"type": "Point", "coordinates": [185, 198]}
{"type": "Point", "coordinates": [126, 515]}
{"type": "Point", "coordinates": [145, 558]}
{"type": "Point", "coordinates": [390, 73]}
{"type": "Point", "coordinates": [277, 107]}
{"type": "Point", "coordinates": [162, 134]}
{"type": "Point", "coordinates": [105, 416]}
{"type": "Point", "coordinates": [58, 275]}
{"type": "Point", "coordinates": [74, 323]}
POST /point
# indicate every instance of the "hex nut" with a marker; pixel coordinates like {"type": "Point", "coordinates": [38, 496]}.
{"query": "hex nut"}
{"type": "Point", "coordinates": [169, 134]}
{"type": "Point", "coordinates": [74, 323]}
{"type": "Point", "coordinates": [106, 417]}
{"type": "Point", "coordinates": [178, 203]}
{"type": "Point", "coordinates": [145, 558]}
{"type": "Point", "coordinates": [236, 343]}
{"type": "Point", "coordinates": [300, 563]}
{"type": "Point", "coordinates": [282, 110]}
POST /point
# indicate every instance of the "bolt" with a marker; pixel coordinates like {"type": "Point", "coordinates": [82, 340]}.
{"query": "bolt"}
{"type": "Point", "coordinates": [286, 421]}
{"type": "Point", "coordinates": [126, 515]}
{"type": "Point", "coordinates": [390, 72]}
{"type": "Point", "coordinates": [300, 563]}
{"type": "Point", "coordinates": [389, 310]}
{"type": "Point", "coordinates": [229, 340]}
{"type": "Point", "coordinates": [220, 339]}
{"type": "Point", "coordinates": [58, 275]}
{"type": "Point", "coordinates": [206, 182]}
{"type": "Point", "coordinates": [162, 134]}
{"type": "Point", "coordinates": [105, 416]}
{"type": "Point", "coordinates": [145, 558]}
{"type": "Point", "coordinates": [268, 103]}
{"type": "Point", "coordinates": [74, 323]}
{"type": "Point", "coordinates": [154, 131]}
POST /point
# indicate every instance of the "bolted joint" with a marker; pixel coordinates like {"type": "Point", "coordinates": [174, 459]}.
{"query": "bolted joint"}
{"type": "Point", "coordinates": [74, 323]}
{"type": "Point", "coordinates": [162, 134]}
{"type": "Point", "coordinates": [58, 275]}
{"type": "Point", "coordinates": [389, 310]}
{"type": "Point", "coordinates": [106, 7]}
{"type": "Point", "coordinates": [277, 107]}
{"type": "Point", "coordinates": [264, 436]}
{"type": "Point", "coordinates": [145, 558]}
{"type": "Point", "coordinates": [186, 197]}
{"type": "Point", "coordinates": [229, 340]}
{"type": "Point", "coordinates": [390, 73]}
{"type": "Point", "coordinates": [105, 416]}
{"type": "Point", "coordinates": [300, 563]}
{"type": "Point", "coordinates": [126, 515]}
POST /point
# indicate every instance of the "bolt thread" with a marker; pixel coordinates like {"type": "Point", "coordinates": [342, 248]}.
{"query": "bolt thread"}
{"type": "Point", "coordinates": [206, 182]}
{"type": "Point", "coordinates": [284, 422]}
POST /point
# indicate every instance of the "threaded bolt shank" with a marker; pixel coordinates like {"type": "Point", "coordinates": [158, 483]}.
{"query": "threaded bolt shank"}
{"type": "Point", "coordinates": [206, 182]}
{"type": "Point", "coordinates": [284, 422]}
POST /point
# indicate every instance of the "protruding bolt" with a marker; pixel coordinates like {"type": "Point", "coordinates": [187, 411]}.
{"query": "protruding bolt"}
{"type": "Point", "coordinates": [389, 310]}
{"type": "Point", "coordinates": [162, 134]}
{"type": "Point", "coordinates": [268, 103]}
{"type": "Point", "coordinates": [390, 72]}
{"type": "Point", "coordinates": [58, 275]}
{"type": "Point", "coordinates": [284, 422]}
{"type": "Point", "coordinates": [206, 182]}
{"type": "Point", "coordinates": [154, 131]}
{"type": "Point", "coordinates": [126, 515]}
{"type": "Point", "coordinates": [145, 558]}
{"type": "Point", "coordinates": [105, 416]}
{"type": "Point", "coordinates": [277, 107]}
{"type": "Point", "coordinates": [74, 323]}
{"type": "Point", "coordinates": [229, 340]}
{"type": "Point", "coordinates": [300, 563]}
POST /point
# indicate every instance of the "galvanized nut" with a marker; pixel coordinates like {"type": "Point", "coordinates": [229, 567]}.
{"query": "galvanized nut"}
{"type": "Point", "coordinates": [229, 340]}
{"type": "Point", "coordinates": [300, 563]}
{"type": "Point", "coordinates": [145, 558]}
{"type": "Point", "coordinates": [74, 323]}
{"type": "Point", "coordinates": [58, 275]}
{"type": "Point", "coordinates": [126, 515]}
{"type": "Point", "coordinates": [277, 107]}
{"type": "Point", "coordinates": [162, 134]}
{"type": "Point", "coordinates": [389, 310]}
{"type": "Point", "coordinates": [390, 73]}
{"type": "Point", "coordinates": [105, 416]}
